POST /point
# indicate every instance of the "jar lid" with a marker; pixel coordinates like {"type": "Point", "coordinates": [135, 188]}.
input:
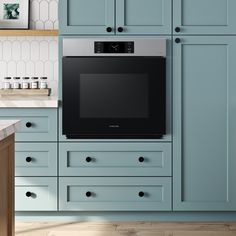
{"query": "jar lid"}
{"type": "Point", "coordinates": [7, 77]}
{"type": "Point", "coordinates": [43, 78]}
{"type": "Point", "coordinates": [16, 77]}
{"type": "Point", "coordinates": [34, 78]}
{"type": "Point", "coordinates": [25, 78]}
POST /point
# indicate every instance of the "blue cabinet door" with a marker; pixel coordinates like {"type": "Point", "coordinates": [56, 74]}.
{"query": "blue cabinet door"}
{"type": "Point", "coordinates": [37, 124]}
{"type": "Point", "coordinates": [204, 17]}
{"type": "Point", "coordinates": [144, 16]}
{"type": "Point", "coordinates": [204, 130]}
{"type": "Point", "coordinates": [86, 16]}
{"type": "Point", "coordinates": [115, 194]}
{"type": "Point", "coordinates": [115, 159]}
{"type": "Point", "coordinates": [36, 159]}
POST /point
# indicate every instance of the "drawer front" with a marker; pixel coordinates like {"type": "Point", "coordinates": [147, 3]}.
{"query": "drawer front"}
{"type": "Point", "coordinates": [36, 159]}
{"type": "Point", "coordinates": [35, 194]}
{"type": "Point", "coordinates": [115, 194]}
{"type": "Point", "coordinates": [119, 159]}
{"type": "Point", "coordinates": [36, 124]}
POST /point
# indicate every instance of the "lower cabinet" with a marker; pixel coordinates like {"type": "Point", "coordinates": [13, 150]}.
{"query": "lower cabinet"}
{"type": "Point", "coordinates": [35, 194]}
{"type": "Point", "coordinates": [37, 124]}
{"type": "Point", "coordinates": [115, 159]}
{"type": "Point", "coordinates": [115, 194]}
{"type": "Point", "coordinates": [204, 124]}
{"type": "Point", "coordinates": [36, 159]}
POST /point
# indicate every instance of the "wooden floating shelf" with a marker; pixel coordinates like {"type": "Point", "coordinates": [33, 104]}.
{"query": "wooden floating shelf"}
{"type": "Point", "coordinates": [28, 32]}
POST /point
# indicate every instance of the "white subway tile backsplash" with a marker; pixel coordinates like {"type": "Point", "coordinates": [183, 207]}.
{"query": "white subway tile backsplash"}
{"type": "Point", "coordinates": [48, 69]}
{"type": "Point", "coordinates": [43, 49]}
{"type": "Point", "coordinates": [33, 56]}
{"type": "Point", "coordinates": [34, 51]}
{"type": "Point", "coordinates": [30, 69]}
{"type": "Point", "coordinates": [44, 14]}
{"type": "Point", "coordinates": [53, 14]}
{"type": "Point", "coordinates": [34, 10]}
{"type": "Point", "coordinates": [43, 11]}
{"type": "Point", "coordinates": [20, 69]}
{"type": "Point", "coordinates": [11, 69]}
{"type": "Point", "coordinates": [0, 50]}
{"type": "Point", "coordinates": [16, 51]}
{"type": "Point", "coordinates": [25, 51]}
{"type": "Point", "coordinates": [30, 56]}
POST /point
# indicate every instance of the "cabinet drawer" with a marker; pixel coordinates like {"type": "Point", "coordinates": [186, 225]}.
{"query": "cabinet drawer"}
{"type": "Point", "coordinates": [115, 194]}
{"type": "Point", "coordinates": [36, 124]}
{"type": "Point", "coordinates": [41, 194]}
{"type": "Point", "coordinates": [36, 159]}
{"type": "Point", "coordinates": [115, 159]}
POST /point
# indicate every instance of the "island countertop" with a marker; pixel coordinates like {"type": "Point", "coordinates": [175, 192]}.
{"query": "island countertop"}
{"type": "Point", "coordinates": [8, 127]}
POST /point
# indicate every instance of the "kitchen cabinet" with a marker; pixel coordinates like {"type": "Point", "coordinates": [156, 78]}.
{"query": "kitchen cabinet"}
{"type": "Point", "coordinates": [110, 17]}
{"type": "Point", "coordinates": [204, 17]}
{"type": "Point", "coordinates": [35, 158]}
{"type": "Point", "coordinates": [35, 194]}
{"type": "Point", "coordinates": [87, 16]}
{"type": "Point", "coordinates": [143, 16]}
{"type": "Point", "coordinates": [38, 124]}
{"type": "Point", "coordinates": [204, 132]}
{"type": "Point", "coordinates": [115, 159]}
{"type": "Point", "coordinates": [114, 194]}
{"type": "Point", "coordinates": [115, 176]}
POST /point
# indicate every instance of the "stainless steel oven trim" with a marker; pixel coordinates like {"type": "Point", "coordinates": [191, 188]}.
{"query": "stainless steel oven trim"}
{"type": "Point", "coordinates": [85, 47]}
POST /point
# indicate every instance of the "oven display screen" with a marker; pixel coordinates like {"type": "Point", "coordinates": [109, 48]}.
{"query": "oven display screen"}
{"type": "Point", "coordinates": [114, 47]}
{"type": "Point", "coordinates": [114, 95]}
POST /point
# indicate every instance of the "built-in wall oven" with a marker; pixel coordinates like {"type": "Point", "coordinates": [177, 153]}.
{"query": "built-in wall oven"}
{"type": "Point", "coordinates": [114, 88]}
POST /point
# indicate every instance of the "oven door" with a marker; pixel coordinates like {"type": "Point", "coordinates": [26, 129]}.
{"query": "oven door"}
{"type": "Point", "coordinates": [114, 97]}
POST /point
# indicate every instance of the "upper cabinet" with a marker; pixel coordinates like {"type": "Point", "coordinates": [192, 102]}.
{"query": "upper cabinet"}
{"type": "Point", "coordinates": [143, 16]}
{"type": "Point", "coordinates": [110, 17]}
{"type": "Point", "coordinates": [204, 17]}
{"type": "Point", "coordinates": [87, 16]}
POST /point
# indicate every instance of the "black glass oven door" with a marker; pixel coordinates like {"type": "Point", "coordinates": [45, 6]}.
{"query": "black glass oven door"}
{"type": "Point", "coordinates": [114, 97]}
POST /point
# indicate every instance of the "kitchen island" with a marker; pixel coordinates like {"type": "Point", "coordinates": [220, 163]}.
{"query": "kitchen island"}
{"type": "Point", "coordinates": [7, 139]}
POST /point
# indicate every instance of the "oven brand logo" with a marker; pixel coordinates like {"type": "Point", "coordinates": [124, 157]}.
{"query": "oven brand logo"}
{"type": "Point", "coordinates": [114, 126]}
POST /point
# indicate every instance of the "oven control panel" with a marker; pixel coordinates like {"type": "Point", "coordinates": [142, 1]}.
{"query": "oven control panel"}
{"type": "Point", "coordinates": [113, 47]}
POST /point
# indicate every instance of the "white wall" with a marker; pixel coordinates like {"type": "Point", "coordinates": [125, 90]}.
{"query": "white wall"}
{"type": "Point", "coordinates": [33, 56]}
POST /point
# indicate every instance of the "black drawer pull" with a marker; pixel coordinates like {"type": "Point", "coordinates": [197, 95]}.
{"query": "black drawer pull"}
{"type": "Point", "coordinates": [177, 40]}
{"type": "Point", "coordinates": [120, 29]}
{"type": "Point", "coordinates": [88, 194]}
{"type": "Point", "coordinates": [109, 29]}
{"type": "Point", "coordinates": [28, 124]}
{"type": "Point", "coordinates": [177, 29]}
{"type": "Point", "coordinates": [88, 159]}
{"type": "Point", "coordinates": [28, 159]}
{"type": "Point", "coordinates": [28, 194]}
{"type": "Point", "coordinates": [141, 159]}
{"type": "Point", "coordinates": [141, 194]}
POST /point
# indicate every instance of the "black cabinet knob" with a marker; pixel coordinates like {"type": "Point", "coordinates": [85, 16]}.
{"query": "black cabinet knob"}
{"type": "Point", "coordinates": [88, 194]}
{"type": "Point", "coordinates": [28, 194]}
{"type": "Point", "coordinates": [120, 29]}
{"type": "Point", "coordinates": [28, 159]}
{"type": "Point", "coordinates": [88, 159]}
{"type": "Point", "coordinates": [141, 194]}
{"type": "Point", "coordinates": [177, 40]}
{"type": "Point", "coordinates": [28, 124]}
{"type": "Point", "coordinates": [141, 159]}
{"type": "Point", "coordinates": [177, 29]}
{"type": "Point", "coordinates": [109, 29]}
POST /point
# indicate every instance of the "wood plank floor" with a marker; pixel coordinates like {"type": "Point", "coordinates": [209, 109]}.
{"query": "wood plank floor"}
{"type": "Point", "coordinates": [125, 229]}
